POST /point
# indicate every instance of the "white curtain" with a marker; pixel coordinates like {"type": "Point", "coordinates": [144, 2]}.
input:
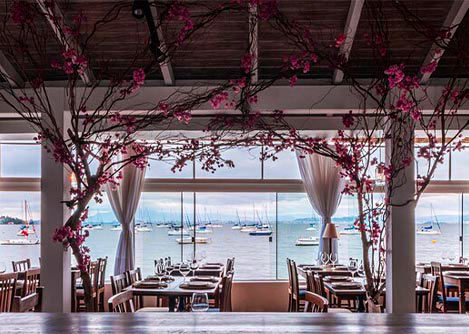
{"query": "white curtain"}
{"type": "Point", "coordinates": [324, 187]}
{"type": "Point", "coordinates": [124, 202]}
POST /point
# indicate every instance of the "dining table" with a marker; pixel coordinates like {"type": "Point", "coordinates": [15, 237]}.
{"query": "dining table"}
{"type": "Point", "coordinates": [342, 292]}
{"type": "Point", "coordinates": [461, 280]}
{"type": "Point", "coordinates": [426, 268]}
{"type": "Point", "coordinates": [174, 289]}
{"type": "Point", "coordinates": [232, 323]}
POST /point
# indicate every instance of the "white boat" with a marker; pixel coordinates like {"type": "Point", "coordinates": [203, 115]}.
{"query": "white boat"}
{"type": "Point", "coordinates": [19, 242]}
{"type": "Point", "coordinates": [236, 227]}
{"type": "Point", "coordinates": [143, 228]}
{"type": "Point", "coordinates": [116, 227]}
{"type": "Point", "coordinates": [201, 229]}
{"type": "Point", "coordinates": [28, 227]}
{"type": "Point", "coordinates": [248, 229]}
{"type": "Point", "coordinates": [429, 229]}
{"type": "Point", "coordinates": [177, 232]}
{"type": "Point", "coordinates": [310, 241]}
{"type": "Point", "coordinates": [190, 240]}
{"type": "Point", "coordinates": [350, 230]}
{"type": "Point", "coordinates": [26, 231]}
{"type": "Point", "coordinates": [89, 227]}
{"type": "Point", "coordinates": [312, 227]}
{"type": "Point", "coordinates": [267, 232]}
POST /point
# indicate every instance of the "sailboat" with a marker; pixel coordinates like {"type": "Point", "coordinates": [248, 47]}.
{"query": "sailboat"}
{"type": "Point", "coordinates": [24, 232]}
{"type": "Point", "coordinates": [192, 239]}
{"type": "Point", "coordinates": [237, 226]}
{"type": "Point", "coordinates": [262, 229]}
{"type": "Point", "coordinates": [308, 241]}
{"type": "Point", "coordinates": [28, 227]}
{"type": "Point", "coordinates": [429, 229]}
{"type": "Point", "coordinates": [144, 225]}
{"type": "Point", "coordinates": [116, 227]}
{"type": "Point", "coordinates": [311, 227]}
{"type": "Point", "coordinates": [350, 230]}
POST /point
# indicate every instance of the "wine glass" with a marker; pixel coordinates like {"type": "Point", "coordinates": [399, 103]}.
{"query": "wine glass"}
{"type": "Point", "coordinates": [333, 258]}
{"type": "Point", "coordinates": [199, 302]}
{"type": "Point", "coordinates": [184, 268]}
{"type": "Point", "coordinates": [353, 267]}
{"type": "Point", "coordinates": [3, 267]}
{"type": "Point", "coordinates": [451, 258]}
{"type": "Point", "coordinates": [324, 258]}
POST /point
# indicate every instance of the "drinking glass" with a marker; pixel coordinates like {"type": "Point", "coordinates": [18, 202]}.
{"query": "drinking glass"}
{"type": "Point", "coordinates": [184, 268]}
{"type": "Point", "coordinates": [334, 257]}
{"type": "Point", "coordinates": [199, 302]}
{"type": "Point", "coordinates": [324, 258]}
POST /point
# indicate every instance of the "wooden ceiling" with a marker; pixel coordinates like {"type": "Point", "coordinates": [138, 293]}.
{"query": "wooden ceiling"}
{"type": "Point", "coordinates": [215, 52]}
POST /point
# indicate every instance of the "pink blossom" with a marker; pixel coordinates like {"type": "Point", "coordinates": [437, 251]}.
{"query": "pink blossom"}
{"type": "Point", "coordinates": [340, 39]}
{"type": "Point", "coordinates": [429, 68]}
{"type": "Point", "coordinates": [247, 62]}
{"type": "Point", "coordinates": [293, 80]}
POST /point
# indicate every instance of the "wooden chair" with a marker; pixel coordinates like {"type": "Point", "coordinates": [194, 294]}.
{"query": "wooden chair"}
{"type": "Point", "coordinates": [94, 276]}
{"type": "Point", "coordinates": [118, 283]}
{"type": "Point", "coordinates": [31, 281]}
{"type": "Point", "coordinates": [123, 302]}
{"type": "Point", "coordinates": [315, 303]}
{"type": "Point", "coordinates": [430, 282]}
{"type": "Point", "coordinates": [22, 265]}
{"type": "Point", "coordinates": [225, 297]}
{"type": "Point", "coordinates": [133, 276]}
{"type": "Point", "coordinates": [7, 291]}
{"type": "Point", "coordinates": [297, 295]}
{"type": "Point", "coordinates": [32, 302]}
{"type": "Point", "coordinates": [102, 263]}
{"type": "Point", "coordinates": [445, 302]}
{"type": "Point", "coordinates": [229, 268]}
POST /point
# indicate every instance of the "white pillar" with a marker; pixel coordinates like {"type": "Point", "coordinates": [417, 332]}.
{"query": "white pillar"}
{"type": "Point", "coordinates": [55, 262]}
{"type": "Point", "coordinates": [400, 232]}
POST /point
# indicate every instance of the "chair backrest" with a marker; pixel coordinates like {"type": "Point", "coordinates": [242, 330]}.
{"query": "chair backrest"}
{"type": "Point", "coordinates": [229, 265]}
{"type": "Point", "coordinates": [310, 284]}
{"type": "Point", "coordinates": [133, 276]}
{"type": "Point", "coordinates": [32, 302]}
{"type": "Point", "coordinates": [118, 283]}
{"type": "Point", "coordinates": [22, 265]}
{"type": "Point", "coordinates": [7, 291]}
{"type": "Point", "coordinates": [94, 274]}
{"type": "Point", "coordinates": [435, 268]}
{"type": "Point", "coordinates": [315, 303]}
{"type": "Point", "coordinates": [31, 281]}
{"type": "Point", "coordinates": [295, 287]}
{"type": "Point", "coordinates": [102, 263]}
{"type": "Point", "coordinates": [319, 285]}
{"type": "Point", "coordinates": [225, 298]}
{"type": "Point", "coordinates": [430, 282]}
{"type": "Point", "coordinates": [122, 302]}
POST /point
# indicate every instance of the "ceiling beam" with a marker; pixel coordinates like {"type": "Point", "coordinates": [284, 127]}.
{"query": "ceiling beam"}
{"type": "Point", "coordinates": [350, 29]}
{"type": "Point", "coordinates": [165, 66]}
{"type": "Point", "coordinates": [58, 28]}
{"type": "Point", "coordinates": [453, 19]}
{"type": "Point", "coordinates": [9, 73]}
{"type": "Point", "coordinates": [253, 42]}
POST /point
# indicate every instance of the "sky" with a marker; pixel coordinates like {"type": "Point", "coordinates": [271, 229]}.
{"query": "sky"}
{"type": "Point", "coordinates": [24, 160]}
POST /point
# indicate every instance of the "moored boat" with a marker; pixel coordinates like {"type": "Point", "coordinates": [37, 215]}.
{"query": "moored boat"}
{"type": "Point", "coordinates": [190, 240]}
{"type": "Point", "coordinates": [309, 241]}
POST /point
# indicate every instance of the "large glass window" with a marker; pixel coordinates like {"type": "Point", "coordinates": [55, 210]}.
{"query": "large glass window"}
{"type": "Point", "coordinates": [438, 219]}
{"type": "Point", "coordinates": [16, 209]}
{"type": "Point", "coordinates": [284, 167]}
{"type": "Point", "coordinates": [20, 160]}
{"type": "Point", "coordinates": [441, 172]}
{"type": "Point", "coordinates": [246, 161]}
{"type": "Point", "coordinates": [459, 161]}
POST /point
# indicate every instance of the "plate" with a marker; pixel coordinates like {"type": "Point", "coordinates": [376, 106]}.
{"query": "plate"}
{"type": "Point", "coordinates": [149, 285]}
{"type": "Point", "coordinates": [197, 286]}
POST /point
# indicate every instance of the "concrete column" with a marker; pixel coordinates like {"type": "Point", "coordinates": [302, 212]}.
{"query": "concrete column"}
{"type": "Point", "coordinates": [400, 230]}
{"type": "Point", "coordinates": [55, 181]}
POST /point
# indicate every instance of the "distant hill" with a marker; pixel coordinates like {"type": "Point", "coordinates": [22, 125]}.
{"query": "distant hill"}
{"type": "Point", "coordinates": [10, 220]}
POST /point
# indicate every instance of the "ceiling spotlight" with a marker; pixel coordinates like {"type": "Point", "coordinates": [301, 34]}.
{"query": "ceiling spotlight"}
{"type": "Point", "coordinates": [138, 9]}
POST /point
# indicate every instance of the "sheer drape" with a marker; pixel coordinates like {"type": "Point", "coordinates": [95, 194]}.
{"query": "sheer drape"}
{"type": "Point", "coordinates": [324, 187]}
{"type": "Point", "coordinates": [124, 201]}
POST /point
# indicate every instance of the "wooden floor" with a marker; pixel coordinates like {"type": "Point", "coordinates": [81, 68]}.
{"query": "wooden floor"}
{"type": "Point", "coordinates": [232, 323]}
